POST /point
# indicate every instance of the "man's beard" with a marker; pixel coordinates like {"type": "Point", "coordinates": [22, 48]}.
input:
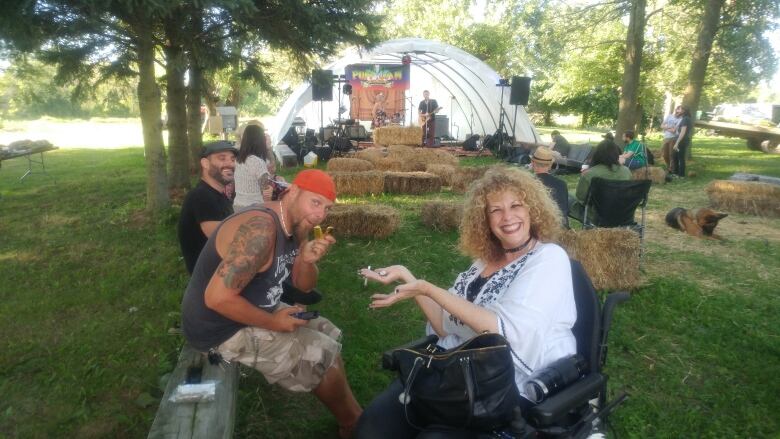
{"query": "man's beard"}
{"type": "Point", "coordinates": [216, 174]}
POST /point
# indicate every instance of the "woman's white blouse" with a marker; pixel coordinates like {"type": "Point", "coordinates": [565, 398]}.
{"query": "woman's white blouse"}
{"type": "Point", "coordinates": [533, 300]}
{"type": "Point", "coordinates": [247, 177]}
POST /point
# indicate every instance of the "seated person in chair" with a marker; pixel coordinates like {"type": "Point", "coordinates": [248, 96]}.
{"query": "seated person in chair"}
{"type": "Point", "coordinates": [560, 146]}
{"type": "Point", "coordinates": [541, 163]}
{"type": "Point", "coordinates": [633, 155]}
{"type": "Point", "coordinates": [232, 308]}
{"type": "Point", "coordinates": [604, 164]}
{"type": "Point", "coordinates": [519, 285]}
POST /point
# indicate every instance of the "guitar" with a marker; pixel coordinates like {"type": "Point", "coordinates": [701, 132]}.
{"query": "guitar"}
{"type": "Point", "coordinates": [424, 117]}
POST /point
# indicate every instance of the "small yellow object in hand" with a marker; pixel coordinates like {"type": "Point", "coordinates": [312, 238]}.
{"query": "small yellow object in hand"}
{"type": "Point", "coordinates": [318, 232]}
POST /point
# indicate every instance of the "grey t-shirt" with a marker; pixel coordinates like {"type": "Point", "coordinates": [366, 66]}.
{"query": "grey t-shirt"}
{"type": "Point", "coordinates": [205, 328]}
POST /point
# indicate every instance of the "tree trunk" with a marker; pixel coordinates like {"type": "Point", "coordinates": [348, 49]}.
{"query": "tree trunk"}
{"type": "Point", "coordinates": [701, 57]}
{"type": "Point", "coordinates": [194, 122]}
{"type": "Point", "coordinates": [150, 108]}
{"type": "Point", "coordinates": [195, 90]}
{"type": "Point", "coordinates": [175, 106]}
{"type": "Point", "coordinates": [628, 111]}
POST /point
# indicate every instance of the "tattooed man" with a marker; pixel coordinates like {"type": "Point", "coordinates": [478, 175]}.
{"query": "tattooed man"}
{"type": "Point", "coordinates": [232, 303]}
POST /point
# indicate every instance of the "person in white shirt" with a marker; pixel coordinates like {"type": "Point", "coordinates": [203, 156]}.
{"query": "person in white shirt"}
{"type": "Point", "coordinates": [669, 126]}
{"type": "Point", "coordinates": [519, 286]}
{"type": "Point", "coordinates": [254, 169]}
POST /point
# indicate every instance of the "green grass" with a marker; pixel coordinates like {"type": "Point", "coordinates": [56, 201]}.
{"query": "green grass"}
{"type": "Point", "coordinates": [89, 287]}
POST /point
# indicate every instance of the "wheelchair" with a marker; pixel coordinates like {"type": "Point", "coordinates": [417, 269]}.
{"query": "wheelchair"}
{"type": "Point", "coordinates": [580, 409]}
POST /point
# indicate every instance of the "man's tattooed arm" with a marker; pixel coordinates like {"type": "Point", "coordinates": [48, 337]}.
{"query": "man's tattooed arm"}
{"type": "Point", "coordinates": [250, 249]}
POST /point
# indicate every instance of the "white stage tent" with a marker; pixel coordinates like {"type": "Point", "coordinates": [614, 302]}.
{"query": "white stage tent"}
{"type": "Point", "coordinates": [462, 84]}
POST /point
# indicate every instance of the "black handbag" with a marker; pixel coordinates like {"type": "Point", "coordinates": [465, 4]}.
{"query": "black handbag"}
{"type": "Point", "coordinates": [471, 386]}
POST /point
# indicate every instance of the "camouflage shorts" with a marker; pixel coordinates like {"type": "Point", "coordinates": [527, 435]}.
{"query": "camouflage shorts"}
{"type": "Point", "coordinates": [294, 360]}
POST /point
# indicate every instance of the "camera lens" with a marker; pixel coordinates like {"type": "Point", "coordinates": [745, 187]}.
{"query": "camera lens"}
{"type": "Point", "coordinates": [555, 377]}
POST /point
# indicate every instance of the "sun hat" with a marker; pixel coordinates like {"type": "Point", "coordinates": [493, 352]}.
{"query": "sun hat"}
{"type": "Point", "coordinates": [542, 155]}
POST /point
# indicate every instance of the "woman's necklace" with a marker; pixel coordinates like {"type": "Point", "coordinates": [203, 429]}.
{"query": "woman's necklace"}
{"type": "Point", "coordinates": [520, 247]}
{"type": "Point", "coordinates": [284, 225]}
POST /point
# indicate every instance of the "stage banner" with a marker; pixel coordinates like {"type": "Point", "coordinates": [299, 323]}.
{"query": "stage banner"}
{"type": "Point", "coordinates": [382, 83]}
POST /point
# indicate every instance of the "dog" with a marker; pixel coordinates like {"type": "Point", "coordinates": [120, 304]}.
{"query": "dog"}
{"type": "Point", "coordinates": [700, 223]}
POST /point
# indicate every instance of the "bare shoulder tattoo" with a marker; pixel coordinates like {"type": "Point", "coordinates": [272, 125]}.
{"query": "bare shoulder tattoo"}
{"type": "Point", "coordinates": [247, 252]}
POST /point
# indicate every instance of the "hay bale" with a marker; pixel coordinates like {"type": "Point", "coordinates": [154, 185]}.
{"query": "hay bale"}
{"type": "Point", "coordinates": [359, 183]}
{"type": "Point", "coordinates": [656, 174]}
{"type": "Point", "coordinates": [395, 135]}
{"type": "Point", "coordinates": [465, 175]}
{"type": "Point", "coordinates": [750, 197]}
{"type": "Point", "coordinates": [389, 164]}
{"type": "Point", "coordinates": [445, 172]}
{"type": "Point", "coordinates": [370, 154]}
{"type": "Point", "coordinates": [442, 215]}
{"type": "Point", "coordinates": [411, 183]}
{"type": "Point", "coordinates": [364, 220]}
{"type": "Point", "coordinates": [349, 165]}
{"type": "Point", "coordinates": [400, 150]}
{"type": "Point", "coordinates": [609, 256]}
{"type": "Point", "coordinates": [436, 156]}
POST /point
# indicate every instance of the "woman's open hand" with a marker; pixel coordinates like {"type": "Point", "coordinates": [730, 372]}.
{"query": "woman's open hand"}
{"type": "Point", "coordinates": [387, 275]}
{"type": "Point", "coordinates": [401, 292]}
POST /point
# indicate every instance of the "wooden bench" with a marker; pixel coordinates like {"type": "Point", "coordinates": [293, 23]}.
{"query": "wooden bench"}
{"type": "Point", "coordinates": [206, 420]}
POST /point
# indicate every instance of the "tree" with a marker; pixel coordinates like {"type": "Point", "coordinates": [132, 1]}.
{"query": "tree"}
{"type": "Point", "coordinates": [175, 98]}
{"type": "Point", "coordinates": [701, 54]}
{"type": "Point", "coordinates": [75, 35]}
{"type": "Point", "coordinates": [628, 107]}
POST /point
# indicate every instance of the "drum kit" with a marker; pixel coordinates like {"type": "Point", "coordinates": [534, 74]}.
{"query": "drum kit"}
{"type": "Point", "coordinates": [382, 119]}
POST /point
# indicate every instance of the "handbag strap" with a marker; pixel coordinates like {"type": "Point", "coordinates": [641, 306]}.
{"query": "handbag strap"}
{"type": "Point", "coordinates": [406, 396]}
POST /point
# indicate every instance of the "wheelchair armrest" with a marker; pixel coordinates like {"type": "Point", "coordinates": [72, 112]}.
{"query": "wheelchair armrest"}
{"type": "Point", "coordinates": [579, 393]}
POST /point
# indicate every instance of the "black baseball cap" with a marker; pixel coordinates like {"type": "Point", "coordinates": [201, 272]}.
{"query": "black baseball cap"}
{"type": "Point", "coordinates": [218, 146]}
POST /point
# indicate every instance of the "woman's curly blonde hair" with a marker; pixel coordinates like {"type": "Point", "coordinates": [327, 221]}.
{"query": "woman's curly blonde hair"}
{"type": "Point", "coordinates": [476, 238]}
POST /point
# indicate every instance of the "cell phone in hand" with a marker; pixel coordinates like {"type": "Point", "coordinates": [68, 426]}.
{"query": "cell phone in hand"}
{"type": "Point", "coordinates": [306, 315]}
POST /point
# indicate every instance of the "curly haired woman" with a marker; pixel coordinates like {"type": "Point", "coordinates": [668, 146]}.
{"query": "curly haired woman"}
{"type": "Point", "coordinates": [519, 286]}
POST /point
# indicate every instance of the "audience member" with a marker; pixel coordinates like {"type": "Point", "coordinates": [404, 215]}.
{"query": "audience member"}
{"type": "Point", "coordinates": [541, 163]}
{"type": "Point", "coordinates": [633, 155]}
{"type": "Point", "coordinates": [604, 164]}
{"type": "Point", "coordinates": [669, 127]}
{"type": "Point", "coordinates": [560, 144]}
{"type": "Point", "coordinates": [232, 304]}
{"type": "Point", "coordinates": [252, 175]}
{"type": "Point", "coordinates": [519, 286]}
{"type": "Point", "coordinates": [206, 204]}
{"type": "Point", "coordinates": [683, 142]}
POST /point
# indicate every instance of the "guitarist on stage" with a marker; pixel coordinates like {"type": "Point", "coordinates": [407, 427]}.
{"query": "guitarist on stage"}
{"type": "Point", "coordinates": [428, 108]}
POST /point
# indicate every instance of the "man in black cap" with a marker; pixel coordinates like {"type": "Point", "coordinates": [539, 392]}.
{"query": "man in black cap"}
{"type": "Point", "coordinates": [206, 205]}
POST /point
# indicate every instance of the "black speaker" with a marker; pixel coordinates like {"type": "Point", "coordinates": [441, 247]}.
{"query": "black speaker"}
{"type": "Point", "coordinates": [521, 89]}
{"type": "Point", "coordinates": [322, 85]}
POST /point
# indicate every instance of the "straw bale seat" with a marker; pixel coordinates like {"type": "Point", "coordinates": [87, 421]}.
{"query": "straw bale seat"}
{"type": "Point", "coordinates": [359, 183]}
{"type": "Point", "coordinates": [748, 197]}
{"type": "Point", "coordinates": [363, 220]}
{"type": "Point", "coordinates": [610, 256]}
{"type": "Point", "coordinates": [411, 183]}
{"type": "Point", "coordinates": [441, 215]}
{"type": "Point", "coordinates": [349, 165]}
{"type": "Point", "coordinates": [395, 135]}
{"type": "Point", "coordinates": [656, 174]}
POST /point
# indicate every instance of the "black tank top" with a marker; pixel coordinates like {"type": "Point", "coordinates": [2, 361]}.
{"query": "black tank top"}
{"type": "Point", "coordinates": [204, 328]}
